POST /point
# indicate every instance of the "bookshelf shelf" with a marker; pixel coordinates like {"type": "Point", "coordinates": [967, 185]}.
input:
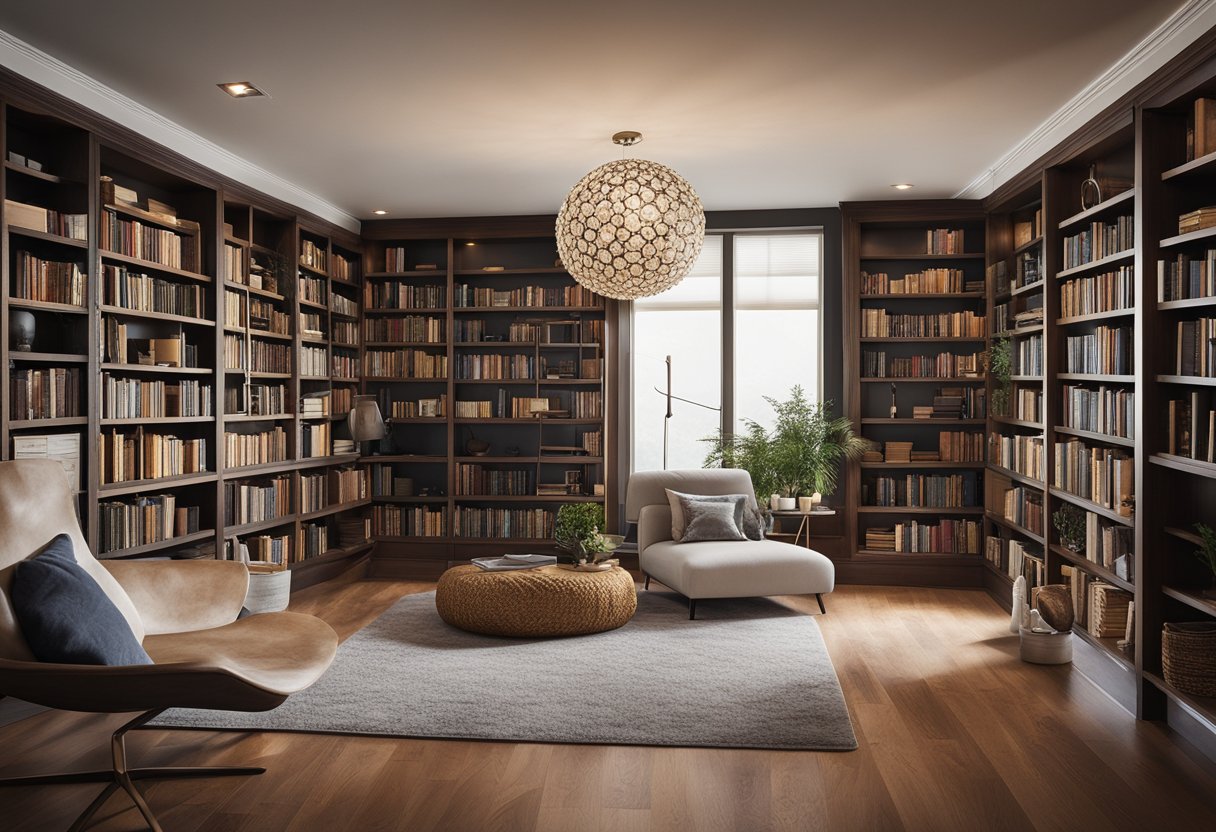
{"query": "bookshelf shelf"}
{"type": "Point", "coordinates": [253, 290]}
{"type": "Point", "coordinates": [1001, 520]}
{"type": "Point", "coordinates": [1194, 467]}
{"type": "Point", "coordinates": [924, 340]}
{"type": "Point", "coordinates": [527, 498]}
{"type": "Point", "coordinates": [1028, 246]}
{"type": "Point", "coordinates": [46, 306]}
{"type": "Point", "coordinates": [159, 420]}
{"type": "Point", "coordinates": [1095, 316]}
{"type": "Point", "coordinates": [1107, 646]}
{"type": "Point", "coordinates": [1196, 380]}
{"type": "Point", "coordinates": [894, 466]}
{"type": "Point", "coordinates": [921, 422]}
{"type": "Point", "coordinates": [1090, 505]}
{"type": "Point", "coordinates": [1028, 289]}
{"type": "Point", "coordinates": [246, 417]}
{"type": "Point", "coordinates": [933, 380]}
{"type": "Point", "coordinates": [62, 422]}
{"type": "Point", "coordinates": [1095, 569]}
{"type": "Point", "coordinates": [1097, 377]}
{"type": "Point", "coordinates": [334, 509]}
{"type": "Point", "coordinates": [158, 546]}
{"type": "Point", "coordinates": [927, 258]}
{"type": "Point", "coordinates": [156, 368]}
{"type": "Point", "coordinates": [1104, 438]}
{"type": "Point", "coordinates": [396, 498]}
{"type": "Point", "coordinates": [123, 312]}
{"type": "Point", "coordinates": [920, 510]}
{"type": "Point", "coordinates": [261, 525]}
{"type": "Point", "coordinates": [153, 266]}
{"type": "Point", "coordinates": [1192, 598]}
{"type": "Point", "coordinates": [49, 357]}
{"type": "Point", "coordinates": [1178, 240]}
{"type": "Point", "coordinates": [1098, 210]}
{"type": "Point", "coordinates": [1020, 332]}
{"type": "Point", "coordinates": [935, 296]}
{"type": "Point", "coordinates": [1017, 477]}
{"type": "Point", "coordinates": [1204, 707]}
{"type": "Point", "coordinates": [1017, 423]}
{"type": "Point", "coordinates": [1183, 535]}
{"type": "Point", "coordinates": [45, 237]}
{"type": "Point", "coordinates": [137, 486]}
{"type": "Point", "coordinates": [1204, 165]}
{"type": "Point", "coordinates": [42, 176]}
{"type": "Point", "coordinates": [1187, 303]}
{"type": "Point", "coordinates": [1100, 263]}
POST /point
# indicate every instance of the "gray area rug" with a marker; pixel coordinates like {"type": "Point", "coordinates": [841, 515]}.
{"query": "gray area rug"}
{"type": "Point", "coordinates": [749, 673]}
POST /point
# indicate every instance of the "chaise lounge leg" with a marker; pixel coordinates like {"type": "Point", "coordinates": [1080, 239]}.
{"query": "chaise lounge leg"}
{"type": "Point", "coordinates": [819, 598]}
{"type": "Point", "coordinates": [647, 584]}
{"type": "Point", "coordinates": [692, 608]}
{"type": "Point", "coordinates": [120, 777]}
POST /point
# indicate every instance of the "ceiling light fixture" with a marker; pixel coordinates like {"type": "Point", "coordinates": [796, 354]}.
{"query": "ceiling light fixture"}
{"type": "Point", "coordinates": [631, 228]}
{"type": "Point", "coordinates": [902, 186]}
{"type": "Point", "coordinates": [241, 89]}
{"type": "Point", "coordinates": [470, 243]}
{"type": "Point", "coordinates": [379, 212]}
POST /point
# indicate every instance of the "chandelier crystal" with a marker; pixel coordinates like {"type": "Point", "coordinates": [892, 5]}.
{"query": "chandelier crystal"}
{"type": "Point", "coordinates": [631, 228]}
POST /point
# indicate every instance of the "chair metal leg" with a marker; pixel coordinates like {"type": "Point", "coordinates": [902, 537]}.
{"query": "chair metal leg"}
{"type": "Point", "coordinates": [121, 777]}
{"type": "Point", "coordinates": [819, 598]}
{"type": "Point", "coordinates": [692, 608]}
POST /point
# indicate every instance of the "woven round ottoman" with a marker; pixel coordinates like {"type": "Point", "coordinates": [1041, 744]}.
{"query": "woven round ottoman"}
{"type": "Point", "coordinates": [530, 603]}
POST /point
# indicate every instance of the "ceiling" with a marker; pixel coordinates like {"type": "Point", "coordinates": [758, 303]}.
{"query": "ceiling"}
{"type": "Point", "coordinates": [455, 108]}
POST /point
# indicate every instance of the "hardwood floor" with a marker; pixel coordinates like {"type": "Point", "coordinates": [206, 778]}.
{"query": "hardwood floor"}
{"type": "Point", "coordinates": [955, 734]}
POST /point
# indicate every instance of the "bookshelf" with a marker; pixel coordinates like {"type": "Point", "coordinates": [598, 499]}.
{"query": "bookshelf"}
{"type": "Point", "coordinates": [489, 362]}
{"type": "Point", "coordinates": [134, 267]}
{"type": "Point", "coordinates": [916, 328]}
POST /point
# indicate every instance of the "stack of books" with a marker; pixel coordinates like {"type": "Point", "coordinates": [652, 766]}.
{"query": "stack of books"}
{"type": "Point", "coordinates": [1108, 610]}
{"type": "Point", "coordinates": [64, 448]}
{"type": "Point", "coordinates": [314, 405]}
{"type": "Point", "coordinates": [1197, 219]}
{"type": "Point", "coordinates": [948, 407]}
{"type": "Point", "coordinates": [897, 452]}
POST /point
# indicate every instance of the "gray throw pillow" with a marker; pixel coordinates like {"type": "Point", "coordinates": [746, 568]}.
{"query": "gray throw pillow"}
{"type": "Point", "coordinates": [678, 519]}
{"type": "Point", "coordinates": [753, 523]}
{"type": "Point", "coordinates": [712, 520]}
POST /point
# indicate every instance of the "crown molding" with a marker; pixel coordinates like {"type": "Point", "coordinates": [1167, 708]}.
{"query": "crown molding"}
{"type": "Point", "coordinates": [37, 66]}
{"type": "Point", "coordinates": [1162, 45]}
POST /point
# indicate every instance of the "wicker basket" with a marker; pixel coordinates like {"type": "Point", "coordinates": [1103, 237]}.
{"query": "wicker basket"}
{"type": "Point", "coordinates": [1188, 656]}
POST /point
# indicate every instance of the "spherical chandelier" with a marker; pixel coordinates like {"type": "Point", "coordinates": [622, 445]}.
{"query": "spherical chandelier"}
{"type": "Point", "coordinates": [631, 228]}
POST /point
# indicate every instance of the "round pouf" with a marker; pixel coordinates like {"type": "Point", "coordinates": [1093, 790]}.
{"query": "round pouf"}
{"type": "Point", "coordinates": [530, 603]}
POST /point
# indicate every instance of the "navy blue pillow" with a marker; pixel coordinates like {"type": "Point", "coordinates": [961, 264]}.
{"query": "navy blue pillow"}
{"type": "Point", "coordinates": [65, 616]}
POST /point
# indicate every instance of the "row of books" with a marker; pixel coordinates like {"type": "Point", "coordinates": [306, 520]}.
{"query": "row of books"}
{"type": "Point", "coordinates": [342, 305]}
{"type": "Point", "coordinates": [259, 448]}
{"type": "Point", "coordinates": [313, 361]}
{"type": "Point", "coordinates": [312, 325]}
{"type": "Point", "coordinates": [315, 440]}
{"type": "Point", "coordinates": [1028, 270]}
{"type": "Point", "coordinates": [385, 482]}
{"type": "Point", "coordinates": [144, 520]}
{"type": "Point", "coordinates": [235, 309]}
{"type": "Point", "coordinates": [1109, 546]}
{"type": "Point", "coordinates": [1106, 292]}
{"type": "Point", "coordinates": [923, 490]}
{"type": "Point", "coordinates": [234, 264]}
{"type": "Point", "coordinates": [420, 329]}
{"type": "Point", "coordinates": [48, 393]}
{"type": "Point", "coordinates": [1191, 424]}
{"type": "Point", "coordinates": [258, 400]}
{"type": "Point", "coordinates": [1102, 475]}
{"type": "Point", "coordinates": [254, 501]}
{"type": "Point", "coordinates": [1028, 356]}
{"type": "Point", "coordinates": [503, 523]}
{"type": "Point", "coordinates": [46, 220]}
{"type": "Point", "coordinates": [410, 521]}
{"type": "Point", "coordinates": [342, 268]}
{"type": "Point", "coordinates": [405, 364]}
{"type": "Point", "coordinates": [48, 281]}
{"type": "Point", "coordinates": [1195, 352]}
{"type": "Point", "coordinates": [394, 260]}
{"type": "Point", "coordinates": [313, 289]}
{"type": "Point", "coordinates": [344, 366]}
{"type": "Point", "coordinates": [960, 537]}
{"type": "Point", "coordinates": [954, 403]}
{"type": "Point", "coordinates": [428, 408]}
{"type": "Point", "coordinates": [143, 293]}
{"type": "Point", "coordinates": [172, 351]}
{"type": "Point", "coordinates": [927, 282]}
{"type": "Point", "coordinates": [944, 241]}
{"type": "Point", "coordinates": [1016, 558]}
{"type": "Point", "coordinates": [1107, 350]}
{"type": "Point", "coordinates": [314, 491]}
{"type": "Point", "coordinates": [1108, 410]}
{"type": "Point", "coordinates": [875, 364]}
{"type": "Point", "coordinates": [1103, 609]}
{"type": "Point", "coordinates": [141, 455]}
{"type": "Point", "coordinates": [135, 398]}
{"type": "Point", "coordinates": [496, 366]}
{"type": "Point", "coordinates": [264, 316]}
{"type": "Point", "coordinates": [261, 273]}
{"type": "Point", "coordinates": [264, 551]}
{"type": "Point", "coordinates": [147, 242]}
{"type": "Point", "coordinates": [315, 405]}
{"type": "Point", "coordinates": [347, 485]}
{"type": "Point", "coordinates": [1024, 507]}
{"type": "Point", "coordinates": [1100, 239]}
{"type": "Point", "coordinates": [313, 255]}
{"type": "Point", "coordinates": [879, 323]}
{"type": "Point", "coordinates": [394, 294]}
{"type": "Point", "coordinates": [345, 334]}
{"type": "Point", "coordinates": [1185, 277]}
{"type": "Point", "coordinates": [1022, 454]}
{"type": "Point", "coordinates": [1027, 404]}
{"type": "Point", "coordinates": [474, 297]}
{"type": "Point", "coordinates": [313, 538]}
{"type": "Point", "coordinates": [481, 481]}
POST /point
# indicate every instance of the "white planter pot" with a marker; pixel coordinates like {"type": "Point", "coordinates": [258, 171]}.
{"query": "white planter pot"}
{"type": "Point", "coordinates": [268, 591]}
{"type": "Point", "coordinates": [786, 504]}
{"type": "Point", "coordinates": [1046, 648]}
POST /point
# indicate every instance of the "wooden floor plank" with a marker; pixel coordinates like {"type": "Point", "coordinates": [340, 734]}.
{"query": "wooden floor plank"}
{"type": "Point", "coordinates": [955, 732]}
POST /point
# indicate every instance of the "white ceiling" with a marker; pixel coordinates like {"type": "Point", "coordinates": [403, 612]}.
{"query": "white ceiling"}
{"type": "Point", "coordinates": [485, 108]}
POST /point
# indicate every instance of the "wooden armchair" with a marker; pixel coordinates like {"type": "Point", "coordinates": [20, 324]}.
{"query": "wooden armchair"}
{"type": "Point", "coordinates": [184, 612]}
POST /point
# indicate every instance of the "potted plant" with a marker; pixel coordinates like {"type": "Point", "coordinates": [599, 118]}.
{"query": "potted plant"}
{"type": "Point", "coordinates": [1001, 368]}
{"type": "Point", "coordinates": [1206, 553]}
{"type": "Point", "coordinates": [800, 455]}
{"type": "Point", "coordinates": [577, 533]}
{"type": "Point", "coordinates": [1069, 522]}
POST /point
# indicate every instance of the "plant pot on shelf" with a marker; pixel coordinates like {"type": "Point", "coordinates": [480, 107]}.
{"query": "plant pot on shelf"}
{"type": "Point", "coordinates": [787, 504]}
{"type": "Point", "coordinates": [1188, 657]}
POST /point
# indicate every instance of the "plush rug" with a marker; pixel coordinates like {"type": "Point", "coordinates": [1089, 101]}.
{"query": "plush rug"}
{"type": "Point", "coordinates": [748, 673]}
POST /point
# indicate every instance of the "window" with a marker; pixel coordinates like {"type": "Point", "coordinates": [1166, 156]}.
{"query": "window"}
{"type": "Point", "coordinates": [766, 295]}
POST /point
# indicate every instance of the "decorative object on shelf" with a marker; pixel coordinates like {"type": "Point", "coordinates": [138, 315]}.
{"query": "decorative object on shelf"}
{"type": "Point", "coordinates": [512, 451]}
{"type": "Point", "coordinates": [1019, 608]}
{"type": "Point", "coordinates": [22, 325]}
{"type": "Point", "coordinates": [631, 228]}
{"type": "Point", "coordinates": [268, 591]}
{"type": "Point", "coordinates": [806, 504]}
{"type": "Point", "coordinates": [476, 447]}
{"type": "Point", "coordinates": [1091, 189]}
{"type": "Point", "coordinates": [577, 533]}
{"type": "Point", "coordinates": [1054, 604]}
{"type": "Point", "coordinates": [1207, 555]}
{"type": "Point", "coordinates": [800, 455]}
{"type": "Point", "coordinates": [365, 422]}
{"type": "Point", "coordinates": [1069, 523]}
{"type": "Point", "coordinates": [894, 406]}
{"type": "Point", "coordinates": [774, 502]}
{"type": "Point", "coordinates": [1188, 657]}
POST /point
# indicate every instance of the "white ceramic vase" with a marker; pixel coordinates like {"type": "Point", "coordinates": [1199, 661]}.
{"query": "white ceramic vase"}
{"type": "Point", "coordinates": [786, 503]}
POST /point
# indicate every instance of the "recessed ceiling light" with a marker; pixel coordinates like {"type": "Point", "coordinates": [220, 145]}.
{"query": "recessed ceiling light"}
{"type": "Point", "coordinates": [379, 212]}
{"type": "Point", "coordinates": [470, 243]}
{"type": "Point", "coordinates": [240, 89]}
{"type": "Point", "coordinates": [902, 186]}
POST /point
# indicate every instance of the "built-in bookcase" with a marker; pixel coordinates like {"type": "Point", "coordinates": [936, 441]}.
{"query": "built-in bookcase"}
{"type": "Point", "coordinates": [916, 329]}
{"type": "Point", "coordinates": [489, 363]}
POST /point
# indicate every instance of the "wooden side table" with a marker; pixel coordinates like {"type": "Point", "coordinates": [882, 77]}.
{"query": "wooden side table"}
{"type": "Point", "coordinates": [804, 526]}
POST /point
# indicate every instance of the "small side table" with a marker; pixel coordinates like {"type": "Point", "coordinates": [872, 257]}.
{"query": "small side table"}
{"type": "Point", "coordinates": [804, 527]}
